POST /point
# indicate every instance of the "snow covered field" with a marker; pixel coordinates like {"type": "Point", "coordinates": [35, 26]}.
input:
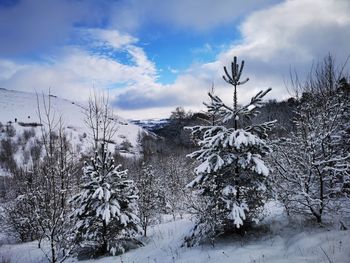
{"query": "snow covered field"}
{"type": "Point", "coordinates": [284, 242]}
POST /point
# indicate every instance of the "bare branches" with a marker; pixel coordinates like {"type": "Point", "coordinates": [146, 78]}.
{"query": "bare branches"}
{"type": "Point", "coordinates": [312, 164]}
{"type": "Point", "coordinates": [52, 185]}
{"type": "Point", "coordinates": [323, 79]}
{"type": "Point", "coordinates": [100, 120]}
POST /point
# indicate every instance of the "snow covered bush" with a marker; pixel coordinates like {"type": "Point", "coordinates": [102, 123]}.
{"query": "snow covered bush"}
{"type": "Point", "coordinates": [149, 201]}
{"type": "Point", "coordinates": [106, 208]}
{"type": "Point", "coordinates": [231, 175]}
{"type": "Point", "coordinates": [312, 165]}
{"type": "Point", "coordinates": [173, 171]}
{"type": "Point", "coordinates": [19, 219]}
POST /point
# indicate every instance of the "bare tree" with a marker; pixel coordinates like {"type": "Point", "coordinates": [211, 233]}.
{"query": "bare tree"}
{"type": "Point", "coordinates": [312, 163]}
{"type": "Point", "coordinates": [99, 119]}
{"type": "Point", "coordinates": [53, 184]}
{"type": "Point", "coordinates": [57, 169]}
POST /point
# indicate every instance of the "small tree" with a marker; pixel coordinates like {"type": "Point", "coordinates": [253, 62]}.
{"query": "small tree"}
{"type": "Point", "coordinates": [10, 130]}
{"type": "Point", "coordinates": [40, 190]}
{"type": "Point", "coordinates": [175, 173]}
{"type": "Point", "coordinates": [231, 175]}
{"type": "Point", "coordinates": [100, 120]}
{"type": "Point", "coordinates": [178, 114]}
{"type": "Point", "coordinates": [8, 149]}
{"type": "Point", "coordinates": [53, 186]}
{"type": "Point", "coordinates": [148, 184]}
{"type": "Point", "coordinates": [312, 164]}
{"type": "Point", "coordinates": [106, 208]}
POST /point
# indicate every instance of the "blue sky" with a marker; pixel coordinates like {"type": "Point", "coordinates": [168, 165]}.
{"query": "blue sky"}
{"type": "Point", "coordinates": [175, 50]}
{"type": "Point", "coordinates": [154, 55]}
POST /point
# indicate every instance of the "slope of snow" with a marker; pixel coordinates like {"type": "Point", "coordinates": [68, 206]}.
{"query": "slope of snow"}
{"type": "Point", "coordinates": [284, 244]}
{"type": "Point", "coordinates": [23, 107]}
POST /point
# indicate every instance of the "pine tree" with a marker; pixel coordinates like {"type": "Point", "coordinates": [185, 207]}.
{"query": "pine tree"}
{"type": "Point", "coordinates": [231, 177]}
{"type": "Point", "coordinates": [107, 208]}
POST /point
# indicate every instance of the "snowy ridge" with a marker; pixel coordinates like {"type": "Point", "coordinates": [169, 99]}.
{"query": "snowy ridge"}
{"type": "Point", "coordinates": [21, 108]}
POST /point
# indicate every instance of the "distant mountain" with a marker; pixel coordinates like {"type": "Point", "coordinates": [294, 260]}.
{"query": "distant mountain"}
{"type": "Point", "coordinates": [151, 124]}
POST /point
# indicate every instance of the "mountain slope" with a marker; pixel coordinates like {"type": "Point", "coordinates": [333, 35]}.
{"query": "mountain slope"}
{"type": "Point", "coordinates": [21, 108]}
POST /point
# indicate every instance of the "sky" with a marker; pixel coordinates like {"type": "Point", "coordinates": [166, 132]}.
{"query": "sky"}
{"type": "Point", "coordinates": [151, 56]}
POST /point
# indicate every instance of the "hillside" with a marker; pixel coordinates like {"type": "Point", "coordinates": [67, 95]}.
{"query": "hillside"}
{"type": "Point", "coordinates": [21, 109]}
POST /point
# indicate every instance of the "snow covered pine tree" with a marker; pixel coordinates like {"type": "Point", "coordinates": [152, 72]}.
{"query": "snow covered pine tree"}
{"type": "Point", "coordinates": [106, 208]}
{"type": "Point", "coordinates": [230, 179]}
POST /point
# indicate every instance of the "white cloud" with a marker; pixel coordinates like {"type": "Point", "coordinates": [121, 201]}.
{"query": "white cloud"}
{"type": "Point", "coordinates": [76, 70]}
{"type": "Point", "coordinates": [297, 29]}
{"type": "Point", "coordinates": [198, 15]}
{"type": "Point", "coordinates": [173, 70]}
{"type": "Point", "coordinates": [289, 34]}
{"type": "Point", "coordinates": [111, 38]}
{"type": "Point", "coordinates": [292, 34]}
{"type": "Point", "coordinates": [8, 68]}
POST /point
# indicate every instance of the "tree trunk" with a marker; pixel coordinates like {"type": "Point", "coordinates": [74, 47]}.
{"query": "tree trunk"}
{"type": "Point", "coordinates": [104, 238]}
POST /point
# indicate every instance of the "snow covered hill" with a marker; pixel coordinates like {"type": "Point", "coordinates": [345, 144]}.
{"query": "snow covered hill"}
{"type": "Point", "coordinates": [20, 108]}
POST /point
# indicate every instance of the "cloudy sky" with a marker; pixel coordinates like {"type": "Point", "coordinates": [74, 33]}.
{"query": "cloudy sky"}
{"type": "Point", "coordinates": [154, 55]}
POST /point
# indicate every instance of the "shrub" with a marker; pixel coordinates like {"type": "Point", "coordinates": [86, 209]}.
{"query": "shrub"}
{"type": "Point", "coordinates": [10, 130]}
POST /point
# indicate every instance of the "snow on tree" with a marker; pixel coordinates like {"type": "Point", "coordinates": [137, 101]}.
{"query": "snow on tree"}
{"type": "Point", "coordinates": [106, 208]}
{"type": "Point", "coordinates": [149, 201]}
{"type": "Point", "coordinates": [312, 165]}
{"type": "Point", "coordinates": [42, 187]}
{"type": "Point", "coordinates": [173, 171]}
{"type": "Point", "coordinates": [231, 176]}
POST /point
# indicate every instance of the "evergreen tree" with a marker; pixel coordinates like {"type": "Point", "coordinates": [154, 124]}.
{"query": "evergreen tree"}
{"type": "Point", "coordinates": [231, 177]}
{"type": "Point", "coordinates": [107, 208]}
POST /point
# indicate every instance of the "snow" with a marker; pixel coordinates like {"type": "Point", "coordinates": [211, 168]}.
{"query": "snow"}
{"type": "Point", "coordinates": [260, 167]}
{"type": "Point", "coordinates": [229, 189]}
{"type": "Point", "coordinates": [237, 213]}
{"type": "Point", "coordinates": [284, 243]}
{"type": "Point", "coordinates": [4, 172]}
{"type": "Point", "coordinates": [23, 107]}
{"type": "Point", "coordinates": [22, 253]}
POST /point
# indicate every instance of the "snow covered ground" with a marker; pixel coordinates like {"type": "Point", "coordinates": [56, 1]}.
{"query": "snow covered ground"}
{"type": "Point", "coordinates": [284, 242]}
